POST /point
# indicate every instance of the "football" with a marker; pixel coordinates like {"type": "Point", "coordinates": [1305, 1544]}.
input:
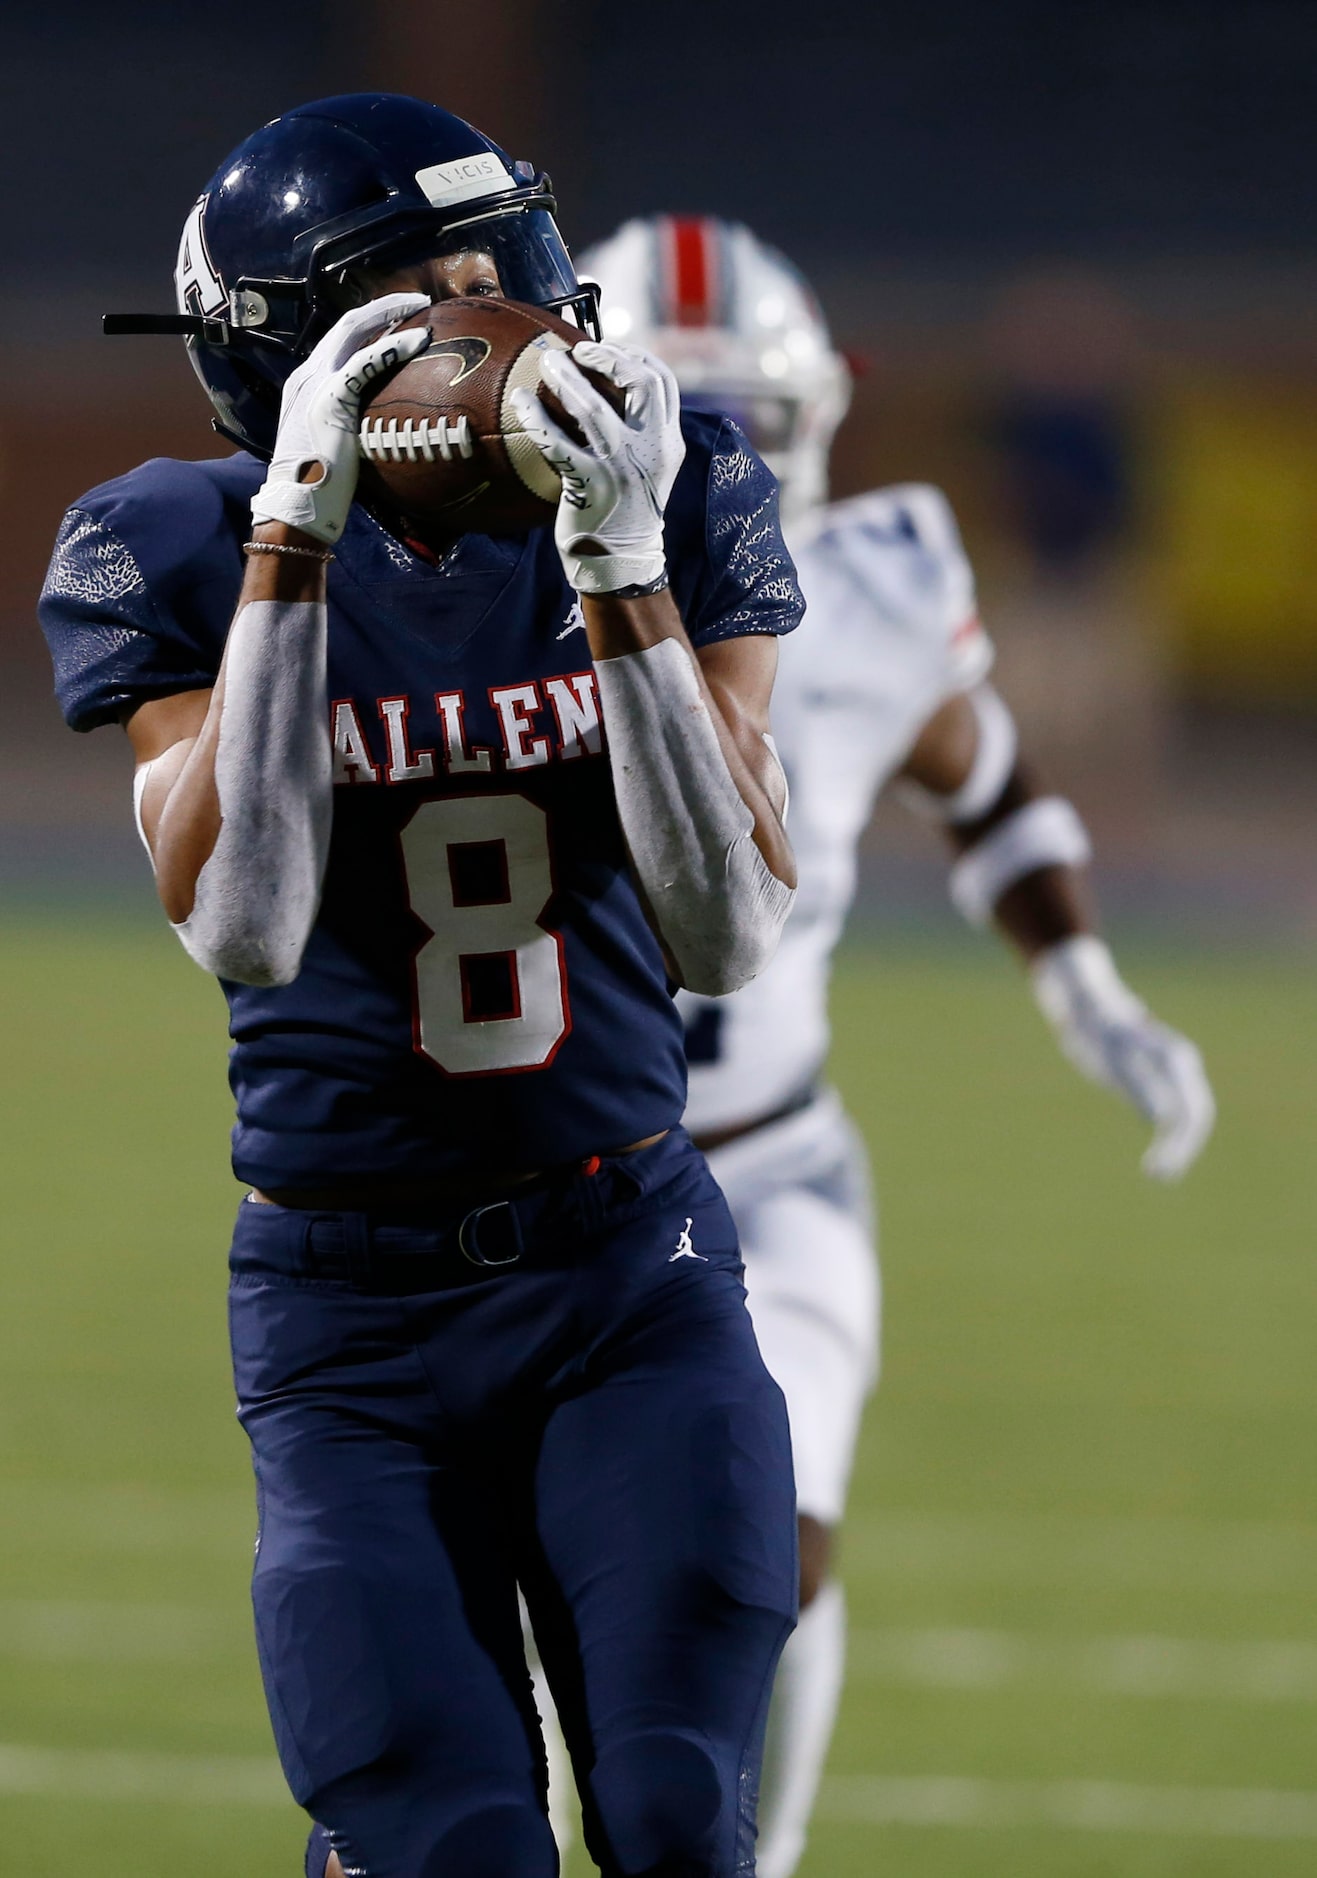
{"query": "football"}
{"type": "Point", "coordinates": [440, 439]}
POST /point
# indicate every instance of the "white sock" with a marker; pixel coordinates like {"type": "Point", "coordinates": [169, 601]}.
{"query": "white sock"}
{"type": "Point", "coordinates": [801, 1717]}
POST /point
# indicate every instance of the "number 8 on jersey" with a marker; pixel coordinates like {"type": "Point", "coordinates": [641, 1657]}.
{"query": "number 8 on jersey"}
{"type": "Point", "coordinates": [491, 988]}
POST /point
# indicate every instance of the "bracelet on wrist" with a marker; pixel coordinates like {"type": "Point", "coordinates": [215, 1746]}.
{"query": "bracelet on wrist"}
{"type": "Point", "coordinates": [322, 555]}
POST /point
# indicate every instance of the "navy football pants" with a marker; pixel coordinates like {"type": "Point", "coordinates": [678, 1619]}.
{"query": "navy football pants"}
{"type": "Point", "coordinates": [592, 1422]}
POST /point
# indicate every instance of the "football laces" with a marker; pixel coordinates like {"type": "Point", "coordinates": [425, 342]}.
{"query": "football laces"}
{"type": "Point", "coordinates": [415, 442]}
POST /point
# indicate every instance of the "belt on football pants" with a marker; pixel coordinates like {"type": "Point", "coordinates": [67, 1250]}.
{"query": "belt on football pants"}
{"type": "Point", "coordinates": [420, 1236]}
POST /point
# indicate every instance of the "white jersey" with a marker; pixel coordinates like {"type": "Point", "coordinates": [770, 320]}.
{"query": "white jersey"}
{"type": "Point", "coordinates": [890, 631]}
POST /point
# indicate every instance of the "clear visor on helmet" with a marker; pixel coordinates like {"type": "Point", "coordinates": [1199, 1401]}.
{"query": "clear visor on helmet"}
{"type": "Point", "coordinates": [527, 255]}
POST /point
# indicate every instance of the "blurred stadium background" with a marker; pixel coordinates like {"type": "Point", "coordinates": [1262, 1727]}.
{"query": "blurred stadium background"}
{"type": "Point", "coordinates": [1073, 250]}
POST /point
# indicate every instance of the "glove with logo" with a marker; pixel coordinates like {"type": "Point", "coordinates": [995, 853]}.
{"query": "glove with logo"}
{"type": "Point", "coordinates": [320, 413]}
{"type": "Point", "coordinates": [615, 485]}
{"type": "Point", "coordinates": [1111, 1037]}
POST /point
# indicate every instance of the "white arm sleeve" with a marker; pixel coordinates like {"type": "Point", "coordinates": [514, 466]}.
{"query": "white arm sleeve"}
{"type": "Point", "coordinates": [1046, 832]}
{"type": "Point", "coordinates": [258, 894]}
{"type": "Point", "coordinates": [719, 906]}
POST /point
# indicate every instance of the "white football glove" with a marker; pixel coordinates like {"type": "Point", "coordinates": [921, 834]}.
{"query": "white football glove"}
{"type": "Point", "coordinates": [1112, 1038]}
{"type": "Point", "coordinates": [321, 410]}
{"type": "Point", "coordinates": [616, 486]}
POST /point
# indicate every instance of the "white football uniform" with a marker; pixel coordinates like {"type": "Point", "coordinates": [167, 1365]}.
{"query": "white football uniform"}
{"type": "Point", "coordinates": [890, 632]}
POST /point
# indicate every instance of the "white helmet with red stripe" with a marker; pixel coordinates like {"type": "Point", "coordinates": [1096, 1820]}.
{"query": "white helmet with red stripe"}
{"type": "Point", "coordinates": [741, 330]}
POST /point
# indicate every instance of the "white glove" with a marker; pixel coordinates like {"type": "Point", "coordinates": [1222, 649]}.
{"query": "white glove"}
{"type": "Point", "coordinates": [616, 486]}
{"type": "Point", "coordinates": [1112, 1038]}
{"type": "Point", "coordinates": [321, 410]}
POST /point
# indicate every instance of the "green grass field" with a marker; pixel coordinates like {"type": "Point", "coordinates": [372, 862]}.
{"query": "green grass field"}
{"type": "Point", "coordinates": [1083, 1553]}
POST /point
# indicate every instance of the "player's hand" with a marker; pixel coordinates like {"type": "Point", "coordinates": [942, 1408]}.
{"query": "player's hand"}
{"type": "Point", "coordinates": [616, 485]}
{"type": "Point", "coordinates": [320, 414]}
{"type": "Point", "coordinates": [1110, 1035]}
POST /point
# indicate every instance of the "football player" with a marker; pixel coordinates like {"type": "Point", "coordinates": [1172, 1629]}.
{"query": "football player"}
{"type": "Point", "coordinates": [888, 681]}
{"type": "Point", "coordinates": [487, 1316]}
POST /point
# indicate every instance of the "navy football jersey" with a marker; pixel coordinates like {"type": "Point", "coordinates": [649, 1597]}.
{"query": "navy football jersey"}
{"type": "Point", "coordinates": [481, 988]}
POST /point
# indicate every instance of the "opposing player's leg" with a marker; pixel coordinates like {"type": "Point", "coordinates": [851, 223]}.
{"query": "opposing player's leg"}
{"type": "Point", "coordinates": [562, 1787]}
{"type": "Point", "coordinates": [799, 1192]}
{"type": "Point", "coordinates": [384, 1587]}
{"type": "Point", "coordinates": [665, 1577]}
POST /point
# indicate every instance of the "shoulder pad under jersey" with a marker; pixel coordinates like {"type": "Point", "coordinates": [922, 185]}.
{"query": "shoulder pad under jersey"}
{"type": "Point", "coordinates": [898, 551]}
{"type": "Point", "coordinates": [141, 585]}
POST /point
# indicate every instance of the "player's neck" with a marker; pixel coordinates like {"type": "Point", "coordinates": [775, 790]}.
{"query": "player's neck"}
{"type": "Point", "coordinates": [423, 538]}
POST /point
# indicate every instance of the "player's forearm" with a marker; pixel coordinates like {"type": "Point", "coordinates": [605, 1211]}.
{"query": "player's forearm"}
{"type": "Point", "coordinates": [1018, 850]}
{"type": "Point", "coordinates": [617, 626]}
{"type": "Point", "coordinates": [1019, 859]}
{"type": "Point", "coordinates": [243, 844]}
{"type": "Point", "coordinates": [178, 803]}
{"type": "Point", "coordinates": [705, 839]}
{"type": "Point", "coordinates": [241, 840]}
{"type": "Point", "coordinates": [1046, 904]}
{"type": "Point", "coordinates": [1044, 909]}
{"type": "Point", "coordinates": [705, 836]}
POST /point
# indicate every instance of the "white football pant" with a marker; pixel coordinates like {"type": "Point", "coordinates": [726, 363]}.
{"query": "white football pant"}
{"type": "Point", "coordinates": [799, 1192]}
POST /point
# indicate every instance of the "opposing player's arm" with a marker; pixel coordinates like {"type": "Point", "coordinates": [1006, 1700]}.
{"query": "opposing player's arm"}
{"type": "Point", "coordinates": [699, 792]}
{"type": "Point", "coordinates": [1020, 855]}
{"type": "Point", "coordinates": [1024, 868]}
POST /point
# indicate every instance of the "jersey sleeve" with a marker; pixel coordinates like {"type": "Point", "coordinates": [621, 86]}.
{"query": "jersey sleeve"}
{"type": "Point", "coordinates": [731, 572]}
{"type": "Point", "coordinates": [905, 563]}
{"type": "Point", "coordinates": [970, 652]}
{"type": "Point", "coordinates": [139, 592]}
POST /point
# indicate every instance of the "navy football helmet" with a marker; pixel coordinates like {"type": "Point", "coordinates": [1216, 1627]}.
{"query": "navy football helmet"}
{"type": "Point", "coordinates": [371, 180]}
